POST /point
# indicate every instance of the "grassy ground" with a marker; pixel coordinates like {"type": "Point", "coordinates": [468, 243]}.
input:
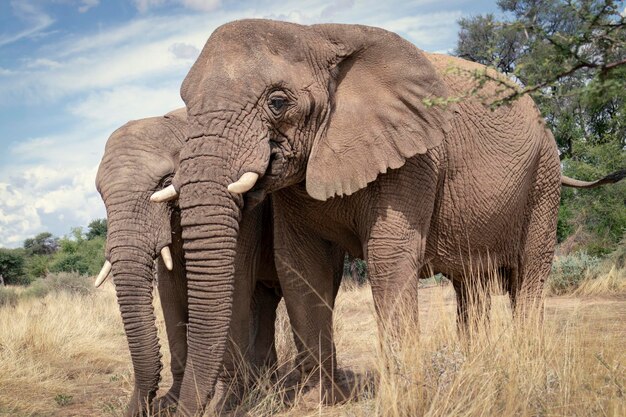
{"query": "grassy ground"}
{"type": "Point", "coordinates": [64, 354]}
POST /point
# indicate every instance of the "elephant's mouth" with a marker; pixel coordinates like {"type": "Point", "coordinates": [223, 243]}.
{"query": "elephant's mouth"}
{"type": "Point", "coordinates": [271, 179]}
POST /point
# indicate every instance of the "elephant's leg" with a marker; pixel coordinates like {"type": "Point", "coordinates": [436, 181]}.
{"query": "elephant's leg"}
{"type": "Point", "coordinates": [535, 260]}
{"type": "Point", "coordinates": [393, 266]}
{"type": "Point", "coordinates": [396, 245]}
{"type": "Point", "coordinates": [265, 301]}
{"type": "Point", "coordinates": [307, 267]}
{"type": "Point", "coordinates": [473, 303]}
{"type": "Point", "coordinates": [172, 288]}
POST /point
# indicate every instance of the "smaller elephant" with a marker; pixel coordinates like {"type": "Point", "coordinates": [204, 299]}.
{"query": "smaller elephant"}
{"type": "Point", "coordinates": [139, 158]}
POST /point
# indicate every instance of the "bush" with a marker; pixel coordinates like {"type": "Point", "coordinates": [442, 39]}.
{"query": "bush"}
{"type": "Point", "coordinates": [37, 266]}
{"type": "Point", "coordinates": [569, 271]}
{"type": "Point", "coordinates": [12, 266]}
{"type": "Point", "coordinates": [77, 254]}
{"type": "Point", "coordinates": [355, 269]}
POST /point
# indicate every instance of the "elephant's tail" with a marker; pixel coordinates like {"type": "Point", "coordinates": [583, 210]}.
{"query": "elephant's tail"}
{"type": "Point", "coordinates": [609, 179]}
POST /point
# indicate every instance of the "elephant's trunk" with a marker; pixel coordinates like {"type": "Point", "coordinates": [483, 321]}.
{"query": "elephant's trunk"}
{"type": "Point", "coordinates": [132, 268]}
{"type": "Point", "coordinates": [210, 219]}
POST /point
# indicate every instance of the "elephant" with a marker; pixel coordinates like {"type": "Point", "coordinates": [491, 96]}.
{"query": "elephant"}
{"type": "Point", "coordinates": [336, 124]}
{"type": "Point", "coordinates": [139, 158]}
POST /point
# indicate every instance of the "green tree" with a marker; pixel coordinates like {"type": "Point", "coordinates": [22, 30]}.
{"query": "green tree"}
{"type": "Point", "coordinates": [571, 57]}
{"type": "Point", "coordinates": [12, 266]}
{"type": "Point", "coordinates": [37, 266]}
{"type": "Point", "coordinates": [42, 244]}
{"type": "Point", "coordinates": [97, 228]}
{"type": "Point", "coordinates": [79, 254]}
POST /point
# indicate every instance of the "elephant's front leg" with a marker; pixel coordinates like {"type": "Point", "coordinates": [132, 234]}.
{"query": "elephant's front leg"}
{"type": "Point", "coordinates": [396, 246]}
{"type": "Point", "coordinates": [394, 257]}
{"type": "Point", "coordinates": [307, 268]}
{"type": "Point", "coordinates": [172, 287]}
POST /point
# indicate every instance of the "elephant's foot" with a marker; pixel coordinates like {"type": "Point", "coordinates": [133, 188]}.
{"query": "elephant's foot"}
{"type": "Point", "coordinates": [327, 393]}
{"type": "Point", "coordinates": [167, 403]}
{"type": "Point", "coordinates": [138, 403]}
{"type": "Point", "coordinates": [227, 398]}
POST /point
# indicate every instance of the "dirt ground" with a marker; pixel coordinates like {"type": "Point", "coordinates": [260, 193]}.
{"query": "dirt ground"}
{"type": "Point", "coordinates": [105, 393]}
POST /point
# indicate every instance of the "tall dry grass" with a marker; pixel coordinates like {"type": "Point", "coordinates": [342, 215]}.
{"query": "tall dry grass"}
{"type": "Point", "coordinates": [50, 345]}
{"type": "Point", "coordinates": [573, 363]}
{"type": "Point", "coordinates": [65, 354]}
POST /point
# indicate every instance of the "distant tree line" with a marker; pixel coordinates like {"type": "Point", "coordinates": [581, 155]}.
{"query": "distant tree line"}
{"type": "Point", "coordinates": [81, 252]}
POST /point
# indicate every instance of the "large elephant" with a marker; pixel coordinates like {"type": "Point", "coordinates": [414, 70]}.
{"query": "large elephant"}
{"type": "Point", "coordinates": [332, 121]}
{"type": "Point", "coordinates": [139, 158]}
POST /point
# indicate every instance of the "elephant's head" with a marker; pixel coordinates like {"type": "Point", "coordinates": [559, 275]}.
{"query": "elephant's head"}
{"type": "Point", "coordinates": [272, 104]}
{"type": "Point", "coordinates": [139, 158]}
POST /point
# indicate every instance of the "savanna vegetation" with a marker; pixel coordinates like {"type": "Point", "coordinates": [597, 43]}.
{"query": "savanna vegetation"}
{"type": "Point", "coordinates": [81, 252]}
{"type": "Point", "coordinates": [63, 349]}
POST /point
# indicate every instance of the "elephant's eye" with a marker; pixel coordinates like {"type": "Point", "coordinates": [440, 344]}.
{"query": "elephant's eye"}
{"type": "Point", "coordinates": [277, 103]}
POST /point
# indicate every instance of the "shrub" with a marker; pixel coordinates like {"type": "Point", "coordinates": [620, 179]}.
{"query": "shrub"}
{"type": "Point", "coordinates": [12, 266]}
{"type": "Point", "coordinates": [355, 269]}
{"type": "Point", "coordinates": [37, 266]}
{"type": "Point", "coordinates": [78, 254]}
{"type": "Point", "coordinates": [569, 271]}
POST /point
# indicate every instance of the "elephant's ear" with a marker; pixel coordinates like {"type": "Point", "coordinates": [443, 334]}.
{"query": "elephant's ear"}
{"type": "Point", "coordinates": [378, 118]}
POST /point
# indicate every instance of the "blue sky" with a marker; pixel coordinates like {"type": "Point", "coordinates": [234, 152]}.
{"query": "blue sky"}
{"type": "Point", "coordinates": [72, 71]}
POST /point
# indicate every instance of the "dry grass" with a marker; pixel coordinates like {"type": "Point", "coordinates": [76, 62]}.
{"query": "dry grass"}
{"type": "Point", "coordinates": [54, 346]}
{"type": "Point", "coordinates": [66, 355]}
{"type": "Point", "coordinates": [607, 279]}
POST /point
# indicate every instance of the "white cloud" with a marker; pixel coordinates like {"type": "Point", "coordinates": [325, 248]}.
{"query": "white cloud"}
{"type": "Point", "coordinates": [43, 63]}
{"type": "Point", "coordinates": [116, 106]}
{"type": "Point", "coordinates": [198, 5]}
{"type": "Point", "coordinates": [47, 176]}
{"type": "Point", "coordinates": [144, 5]}
{"type": "Point", "coordinates": [4, 71]}
{"type": "Point", "coordinates": [337, 6]}
{"type": "Point", "coordinates": [87, 4]}
{"type": "Point", "coordinates": [427, 29]}
{"type": "Point", "coordinates": [201, 5]}
{"type": "Point", "coordinates": [36, 19]}
{"type": "Point", "coordinates": [183, 50]}
{"type": "Point", "coordinates": [16, 224]}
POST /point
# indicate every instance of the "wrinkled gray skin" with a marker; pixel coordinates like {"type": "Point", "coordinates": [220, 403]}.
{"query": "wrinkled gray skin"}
{"type": "Point", "coordinates": [139, 158]}
{"type": "Point", "coordinates": [332, 118]}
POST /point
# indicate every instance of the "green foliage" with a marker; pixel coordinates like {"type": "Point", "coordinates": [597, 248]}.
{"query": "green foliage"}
{"type": "Point", "coordinates": [97, 228]}
{"type": "Point", "coordinates": [63, 399]}
{"type": "Point", "coordinates": [569, 271]}
{"type": "Point", "coordinates": [12, 266]}
{"type": "Point", "coordinates": [42, 244]}
{"type": "Point", "coordinates": [78, 254]}
{"type": "Point", "coordinates": [355, 269]}
{"type": "Point", "coordinates": [37, 266]}
{"type": "Point", "coordinates": [571, 56]}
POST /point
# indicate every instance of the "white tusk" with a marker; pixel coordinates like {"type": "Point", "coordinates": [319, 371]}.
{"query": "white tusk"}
{"type": "Point", "coordinates": [245, 183]}
{"type": "Point", "coordinates": [167, 258]}
{"type": "Point", "coordinates": [167, 194]}
{"type": "Point", "coordinates": [104, 273]}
